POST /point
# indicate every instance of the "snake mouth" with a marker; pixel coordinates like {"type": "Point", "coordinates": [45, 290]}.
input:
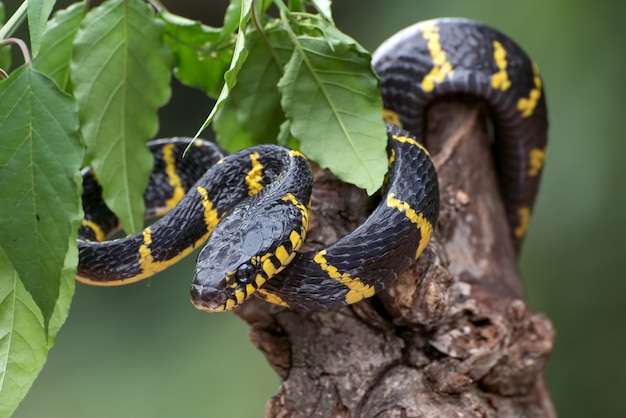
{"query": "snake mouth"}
{"type": "Point", "coordinates": [207, 298]}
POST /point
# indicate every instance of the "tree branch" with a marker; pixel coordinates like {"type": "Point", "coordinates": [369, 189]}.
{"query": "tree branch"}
{"type": "Point", "coordinates": [453, 336]}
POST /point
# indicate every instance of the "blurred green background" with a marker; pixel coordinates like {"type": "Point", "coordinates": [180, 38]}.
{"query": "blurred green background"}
{"type": "Point", "coordinates": [144, 351]}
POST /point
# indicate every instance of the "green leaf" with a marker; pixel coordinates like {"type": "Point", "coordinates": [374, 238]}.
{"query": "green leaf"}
{"type": "Point", "coordinates": [323, 7]}
{"type": "Point", "coordinates": [285, 138]}
{"type": "Point", "coordinates": [330, 95]}
{"type": "Point", "coordinates": [240, 54]}
{"type": "Point", "coordinates": [231, 19]}
{"type": "Point", "coordinates": [284, 133]}
{"type": "Point", "coordinates": [56, 51]}
{"type": "Point", "coordinates": [40, 155]}
{"type": "Point", "coordinates": [201, 55]}
{"type": "Point", "coordinates": [23, 344]}
{"type": "Point", "coordinates": [68, 282]}
{"type": "Point", "coordinates": [253, 114]}
{"type": "Point", "coordinates": [229, 132]}
{"type": "Point", "coordinates": [120, 74]}
{"type": "Point", "coordinates": [38, 12]}
{"type": "Point", "coordinates": [5, 51]}
{"type": "Point", "coordinates": [233, 15]}
{"type": "Point", "coordinates": [316, 26]}
{"type": "Point", "coordinates": [297, 6]}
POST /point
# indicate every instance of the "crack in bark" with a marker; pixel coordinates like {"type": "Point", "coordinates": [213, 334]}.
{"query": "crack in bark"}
{"type": "Point", "coordinates": [374, 385]}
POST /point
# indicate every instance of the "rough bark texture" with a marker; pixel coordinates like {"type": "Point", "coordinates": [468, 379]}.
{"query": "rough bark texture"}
{"type": "Point", "coordinates": [453, 337]}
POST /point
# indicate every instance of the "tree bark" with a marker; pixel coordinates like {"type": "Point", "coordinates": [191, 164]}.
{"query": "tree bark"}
{"type": "Point", "coordinates": [452, 337]}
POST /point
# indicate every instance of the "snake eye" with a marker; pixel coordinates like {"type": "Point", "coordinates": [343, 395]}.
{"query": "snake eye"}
{"type": "Point", "coordinates": [245, 274]}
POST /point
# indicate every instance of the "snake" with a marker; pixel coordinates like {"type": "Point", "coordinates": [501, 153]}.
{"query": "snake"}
{"type": "Point", "coordinates": [251, 209]}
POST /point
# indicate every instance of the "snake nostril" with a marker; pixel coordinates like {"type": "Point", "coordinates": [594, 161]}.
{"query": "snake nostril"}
{"type": "Point", "coordinates": [206, 298]}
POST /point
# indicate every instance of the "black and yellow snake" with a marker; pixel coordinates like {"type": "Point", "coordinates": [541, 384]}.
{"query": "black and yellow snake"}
{"type": "Point", "coordinates": [252, 207]}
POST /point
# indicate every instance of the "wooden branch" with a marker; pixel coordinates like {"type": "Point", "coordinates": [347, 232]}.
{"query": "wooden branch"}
{"type": "Point", "coordinates": [452, 337]}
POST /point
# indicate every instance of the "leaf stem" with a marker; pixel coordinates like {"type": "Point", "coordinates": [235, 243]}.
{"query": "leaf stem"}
{"type": "Point", "coordinates": [281, 6]}
{"type": "Point", "coordinates": [21, 44]}
{"type": "Point", "coordinates": [14, 21]}
{"type": "Point", "coordinates": [284, 16]}
{"type": "Point", "coordinates": [256, 21]}
{"type": "Point", "coordinates": [157, 5]}
{"type": "Point", "coordinates": [255, 17]}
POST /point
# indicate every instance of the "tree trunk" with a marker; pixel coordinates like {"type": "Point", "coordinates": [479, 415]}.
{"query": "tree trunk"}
{"type": "Point", "coordinates": [452, 337]}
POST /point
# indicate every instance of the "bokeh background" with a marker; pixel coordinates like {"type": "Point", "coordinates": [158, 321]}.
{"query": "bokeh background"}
{"type": "Point", "coordinates": [143, 351]}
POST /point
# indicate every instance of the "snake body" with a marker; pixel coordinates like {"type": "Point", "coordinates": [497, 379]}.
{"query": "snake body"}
{"type": "Point", "coordinates": [252, 207]}
{"type": "Point", "coordinates": [441, 57]}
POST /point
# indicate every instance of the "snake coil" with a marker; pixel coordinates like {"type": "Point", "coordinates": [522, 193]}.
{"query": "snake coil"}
{"type": "Point", "coordinates": [252, 207]}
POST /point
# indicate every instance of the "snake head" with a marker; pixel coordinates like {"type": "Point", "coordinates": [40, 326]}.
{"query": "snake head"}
{"type": "Point", "coordinates": [223, 280]}
{"type": "Point", "coordinates": [245, 250]}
